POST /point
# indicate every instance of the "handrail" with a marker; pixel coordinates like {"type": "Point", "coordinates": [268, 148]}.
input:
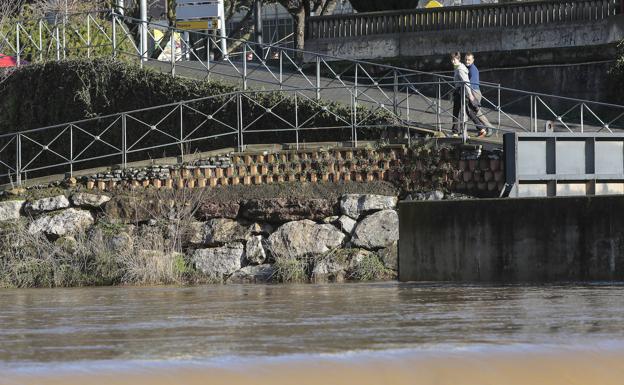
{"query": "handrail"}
{"type": "Point", "coordinates": [460, 17]}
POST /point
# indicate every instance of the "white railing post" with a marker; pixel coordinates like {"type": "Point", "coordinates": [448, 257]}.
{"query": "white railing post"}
{"type": "Point", "coordinates": [173, 53]}
{"type": "Point", "coordinates": [18, 159]}
{"type": "Point", "coordinates": [296, 120]}
{"type": "Point", "coordinates": [239, 121]}
{"type": "Point", "coordinates": [17, 43]}
{"type": "Point", "coordinates": [318, 78]}
{"type": "Point", "coordinates": [114, 32]}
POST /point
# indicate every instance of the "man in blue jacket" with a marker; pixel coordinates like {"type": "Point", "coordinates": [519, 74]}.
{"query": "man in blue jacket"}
{"type": "Point", "coordinates": [473, 75]}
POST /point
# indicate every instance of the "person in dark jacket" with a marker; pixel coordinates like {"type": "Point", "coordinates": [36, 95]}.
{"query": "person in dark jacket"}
{"type": "Point", "coordinates": [483, 124]}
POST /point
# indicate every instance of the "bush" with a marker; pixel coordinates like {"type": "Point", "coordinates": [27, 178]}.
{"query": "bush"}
{"type": "Point", "coordinates": [291, 270]}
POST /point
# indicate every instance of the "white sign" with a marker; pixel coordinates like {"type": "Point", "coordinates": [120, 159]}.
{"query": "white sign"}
{"type": "Point", "coordinates": [189, 9]}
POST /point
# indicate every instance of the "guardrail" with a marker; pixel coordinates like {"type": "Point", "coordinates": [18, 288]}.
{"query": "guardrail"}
{"type": "Point", "coordinates": [461, 17]}
{"type": "Point", "coordinates": [411, 98]}
{"type": "Point", "coordinates": [260, 117]}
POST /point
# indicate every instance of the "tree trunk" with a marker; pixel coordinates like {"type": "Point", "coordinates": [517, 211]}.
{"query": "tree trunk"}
{"type": "Point", "coordinates": [299, 19]}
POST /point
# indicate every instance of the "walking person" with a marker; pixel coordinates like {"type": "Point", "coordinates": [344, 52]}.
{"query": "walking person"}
{"type": "Point", "coordinates": [473, 75]}
{"type": "Point", "coordinates": [461, 82]}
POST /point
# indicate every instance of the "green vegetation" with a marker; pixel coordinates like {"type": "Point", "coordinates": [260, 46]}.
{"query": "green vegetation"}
{"type": "Point", "coordinates": [291, 270]}
{"type": "Point", "coordinates": [369, 268]}
{"type": "Point", "coordinates": [428, 166]}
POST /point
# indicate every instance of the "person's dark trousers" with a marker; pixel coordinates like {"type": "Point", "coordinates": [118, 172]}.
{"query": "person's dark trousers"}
{"type": "Point", "coordinates": [456, 109]}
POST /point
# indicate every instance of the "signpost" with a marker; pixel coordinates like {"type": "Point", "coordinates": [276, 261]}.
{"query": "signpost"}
{"type": "Point", "coordinates": [202, 15]}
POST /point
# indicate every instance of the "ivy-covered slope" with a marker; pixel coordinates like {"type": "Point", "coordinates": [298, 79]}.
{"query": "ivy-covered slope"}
{"type": "Point", "coordinates": [55, 92]}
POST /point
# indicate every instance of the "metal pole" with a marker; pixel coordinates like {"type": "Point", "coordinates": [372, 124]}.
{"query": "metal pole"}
{"type": "Point", "coordinates": [114, 30]}
{"type": "Point", "coordinates": [438, 106]}
{"type": "Point", "coordinates": [535, 112]}
{"type": "Point", "coordinates": [181, 133]}
{"type": "Point", "coordinates": [258, 27]}
{"type": "Point", "coordinates": [240, 114]}
{"type": "Point", "coordinates": [582, 123]}
{"type": "Point", "coordinates": [58, 41]}
{"type": "Point", "coordinates": [244, 66]}
{"type": "Point", "coordinates": [221, 13]}
{"type": "Point", "coordinates": [71, 150]}
{"type": "Point", "coordinates": [17, 44]}
{"type": "Point", "coordinates": [88, 36]}
{"type": "Point", "coordinates": [462, 113]}
{"type": "Point", "coordinates": [281, 69]}
{"type": "Point", "coordinates": [173, 53]}
{"type": "Point", "coordinates": [296, 121]}
{"type": "Point", "coordinates": [318, 78]}
{"type": "Point", "coordinates": [238, 121]}
{"type": "Point", "coordinates": [124, 143]}
{"type": "Point", "coordinates": [18, 159]}
{"type": "Point", "coordinates": [498, 108]}
{"type": "Point", "coordinates": [407, 103]}
{"type": "Point", "coordinates": [40, 39]}
{"type": "Point", "coordinates": [395, 104]}
{"type": "Point", "coordinates": [143, 12]}
{"type": "Point", "coordinates": [64, 33]}
{"type": "Point", "coordinates": [531, 128]}
{"type": "Point", "coordinates": [120, 7]}
{"type": "Point", "coordinates": [208, 54]}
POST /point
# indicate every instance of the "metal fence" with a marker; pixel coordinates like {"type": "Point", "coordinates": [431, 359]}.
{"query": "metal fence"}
{"type": "Point", "coordinates": [411, 99]}
{"type": "Point", "coordinates": [460, 17]}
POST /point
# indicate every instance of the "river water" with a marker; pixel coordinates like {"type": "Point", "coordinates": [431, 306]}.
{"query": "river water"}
{"type": "Point", "coordinates": [377, 333]}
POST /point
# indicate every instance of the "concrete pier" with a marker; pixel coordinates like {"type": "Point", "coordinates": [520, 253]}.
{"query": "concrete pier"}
{"type": "Point", "coordinates": [512, 240]}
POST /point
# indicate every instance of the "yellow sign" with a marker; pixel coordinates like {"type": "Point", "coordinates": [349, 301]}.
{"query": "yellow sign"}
{"type": "Point", "coordinates": [433, 4]}
{"type": "Point", "coordinates": [199, 25]}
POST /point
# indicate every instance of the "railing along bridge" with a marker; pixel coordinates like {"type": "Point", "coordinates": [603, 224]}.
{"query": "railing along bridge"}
{"type": "Point", "coordinates": [471, 17]}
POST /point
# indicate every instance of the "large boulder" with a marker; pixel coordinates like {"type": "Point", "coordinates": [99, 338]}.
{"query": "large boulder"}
{"type": "Point", "coordinates": [347, 224]}
{"type": "Point", "coordinates": [253, 274]}
{"type": "Point", "coordinates": [219, 231]}
{"type": "Point", "coordinates": [254, 252]}
{"type": "Point", "coordinates": [280, 210]}
{"type": "Point", "coordinates": [304, 238]}
{"type": "Point", "coordinates": [377, 230]}
{"type": "Point", "coordinates": [219, 262]}
{"type": "Point", "coordinates": [208, 210]}
{"type": "Point", "coordinates": [328, 270]}
{"type": "Point", "coordinates": [66, 222]}
{"type": "Point", "coordinates": [47, 204]}
{"type": "Point", "coordinates": [389, 256]}
{"type": "Point", "coordinates": [131, 209]}
{"type": "Point", "coordinates": [89, 201]}
{"type": "Point", "coordinates": [356, 205]}
{"type": "Point", "coordinates": [10, 210]}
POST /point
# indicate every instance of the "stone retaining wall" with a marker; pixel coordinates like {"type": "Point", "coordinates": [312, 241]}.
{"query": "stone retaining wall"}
{"type": "Point", "coordinates": [266, 240]}
{"type": "Point", "coordinates": [469, 174]}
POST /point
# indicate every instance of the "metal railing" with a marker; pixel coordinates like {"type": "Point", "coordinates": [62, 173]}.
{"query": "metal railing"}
{"type": "Point", "coordinates": [408, 98]}
{"type": "Point", "coordinates": [178, 129]}
{"type": "Point", "coordinates": [461, 17]}
{"type": "Point", "coordinates": [260, 117]}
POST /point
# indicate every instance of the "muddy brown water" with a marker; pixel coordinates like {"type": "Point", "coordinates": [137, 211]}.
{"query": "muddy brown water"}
{"type": "Point", "coordinates": [377, 333]}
